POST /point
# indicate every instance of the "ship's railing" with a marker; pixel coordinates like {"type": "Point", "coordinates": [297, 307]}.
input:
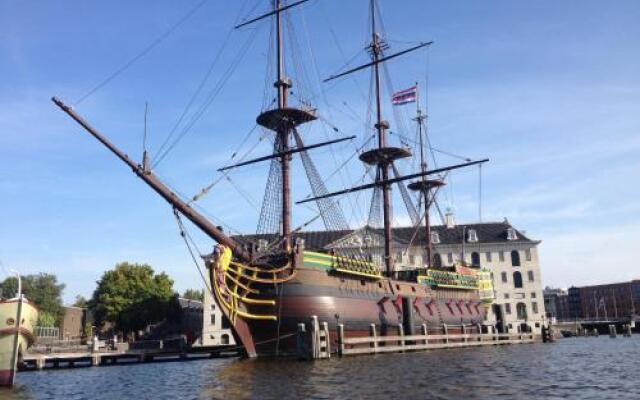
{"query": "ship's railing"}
{"type": "Point", "coordinates": [344, 265]}
{"type": "Point", "coordinates": [448, 279]}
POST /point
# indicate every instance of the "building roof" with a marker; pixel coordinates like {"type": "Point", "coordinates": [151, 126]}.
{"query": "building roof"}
{"type": "Point", "coordinates": [487, 232]}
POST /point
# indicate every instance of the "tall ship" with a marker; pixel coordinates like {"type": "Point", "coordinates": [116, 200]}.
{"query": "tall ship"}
{"type": "Point", "coordinates": [269, 282]}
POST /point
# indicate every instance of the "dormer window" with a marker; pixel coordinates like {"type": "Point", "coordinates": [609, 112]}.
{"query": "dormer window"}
{"type": "Point", "coordinates": [435, 238]}
{"type": "Point", "coordinates": [472, 236]}
{"type": "Point", "coordinates": [262, 245]}
{"type": "Point", "coordinates": [511, 234]}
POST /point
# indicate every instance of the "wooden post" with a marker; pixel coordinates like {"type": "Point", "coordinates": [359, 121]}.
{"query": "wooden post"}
{"type": "Point", "coordinates": [95, 360]}
{"type": "Point", "coordinates": [374, 337]}
{"type": "Point", "coordinates": [315, 338]}
{"type": "Point", "coordinates": [401, 334]}
{"type": "Point", "coordinates": [627, 330]}
{"type": "Point", "coordinates": [340, 339]}
{"type": "Point", "coordinates": [612, 331]}
{"type": "Point", "coordinates": [425, 333]}
{"type": "Point", "coordinates": [479, 332]}
{"type": "Point", "coordinates": [327, 340]}
{"type": "Point", "coordinates": [445, 332]}
{"type": "Point", "coordinates": [464, 333]}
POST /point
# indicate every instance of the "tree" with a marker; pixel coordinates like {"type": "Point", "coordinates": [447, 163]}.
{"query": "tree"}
{"type": "Point", "coordinates": [44, 290]}
{"type": "Point", "coordinates": [194, 294]}
{"type": "Point", "coordinates": [80, 302]}
{"type": "Point", "coordinates": [132, 296]}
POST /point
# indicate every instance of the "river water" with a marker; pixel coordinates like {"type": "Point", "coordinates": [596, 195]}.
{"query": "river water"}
{"type": "Point", "coordinates": [577, 368]}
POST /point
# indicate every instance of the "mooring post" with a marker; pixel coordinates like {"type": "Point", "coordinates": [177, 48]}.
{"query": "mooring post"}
{"type": "Point", "coordinates": [315, 338]}
{"type": "Point", "coordinates": [301, 350]}
{"type": "Point", "coordinates": [401, 334]}
{"type": "Point", "coordinates": [40, 362]}
{"type": "Point", "coordinates": [612, 331]}
{"type": "Point", "coordinates": [445, 332]}
{"type": "Point", "coordinates": [425, 333]}
{"type": "Point", "coordinates": [340, 339]}
{"type": "Point", "coordinates": [627, 330]}
{"type": "Point", "coordinates": [95, 360]}
{"type": "Point", "coordinates": [374, 338]}
{"type": "Point", "coordinates": [327, 340]}
{"type": "Point", "coordinates": [464, 333]}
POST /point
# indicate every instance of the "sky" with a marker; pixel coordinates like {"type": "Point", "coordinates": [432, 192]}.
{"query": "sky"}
{"type": "Point", "coordinates": [548, 91]}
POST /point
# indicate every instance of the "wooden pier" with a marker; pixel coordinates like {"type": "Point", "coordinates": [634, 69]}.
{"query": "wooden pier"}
{"type": "Point", "coordinates": [316, 343]}
{"type": "Point", "coordinates": [36, 361]}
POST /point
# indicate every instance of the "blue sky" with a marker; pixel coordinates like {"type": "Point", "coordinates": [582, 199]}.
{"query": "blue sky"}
{"type": "Point", "coordinates": [549, 91]}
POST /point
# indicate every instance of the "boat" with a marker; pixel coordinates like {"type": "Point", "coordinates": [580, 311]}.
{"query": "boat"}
{"type": "Point", "coordinates": [18, 317]}
{"type": "Point", "coordinates": [268, 283]}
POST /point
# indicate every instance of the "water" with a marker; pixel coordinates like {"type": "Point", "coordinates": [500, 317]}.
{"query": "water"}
{"type": "Point", "coordinates": [580, 368]}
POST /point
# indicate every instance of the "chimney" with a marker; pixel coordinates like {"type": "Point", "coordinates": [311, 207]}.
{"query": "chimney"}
{"type": "Point", "coordinates": [449, 220]}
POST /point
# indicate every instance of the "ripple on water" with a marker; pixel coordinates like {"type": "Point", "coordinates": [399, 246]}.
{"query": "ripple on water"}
{"type": "Point", "coordinates": [582, 368]}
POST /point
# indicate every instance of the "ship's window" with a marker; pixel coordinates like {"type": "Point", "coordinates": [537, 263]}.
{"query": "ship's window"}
{"type": "Point", "coordinates": [511, 234]}
{"type": "Point", "coordinates": [530, 276]}
{"type": "Point", "coordinates": [475, 259]}
{"type": "Point", "coordinates": [527, 254]}
{"type": "Point", "coordinates": [515, 258]}
{"type": "Point", "coordinates": [380, 285]}
{"type": "Point", "coordinates": [450, 258]}
{"type": "Point", "coordinates": [501, 256]}
{"type": "Point", "coordinates": [437, 260]}
{"type": "Point", "coordinates": [517, 280]}
{"type": "Point", "coordinates": [397, 287]}
{"type": "Point", "coordinates": [363, 282]}
{"type": "Point", "coordinates": [435, 238]}
{"type": "Point", "coordinates": [472, 236]}
{"type": "Point", "coordinates": [487, 256]}
{"type": "Point", "coordinates": [504, 277]}
{"type": "Point", "coordinates": [413, 289]}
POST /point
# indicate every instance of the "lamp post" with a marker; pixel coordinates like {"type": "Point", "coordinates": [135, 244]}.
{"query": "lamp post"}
{"type": "Point", "coordinates": [16, 340]}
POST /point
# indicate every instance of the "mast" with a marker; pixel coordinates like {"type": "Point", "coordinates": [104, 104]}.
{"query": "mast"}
{"type": "Point", "coordinates": [420, 119]}
{"type": "Point", "coordinates": [381, 126]}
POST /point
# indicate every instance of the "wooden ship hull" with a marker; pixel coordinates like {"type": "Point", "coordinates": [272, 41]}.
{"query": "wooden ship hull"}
{"type": "Point", "coordinates": [265, 316]}
{"type": "Point", "coordinates": [10, 331]}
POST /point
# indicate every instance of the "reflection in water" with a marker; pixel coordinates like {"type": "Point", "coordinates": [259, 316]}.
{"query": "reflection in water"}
{"type": "Point", "coordinates": [572, 368]}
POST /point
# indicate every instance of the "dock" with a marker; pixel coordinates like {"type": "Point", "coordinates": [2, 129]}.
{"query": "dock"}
{"type": "Point", "coordinates": [315, 343]}
{"type": "Point", "coordinates": [36, 361]}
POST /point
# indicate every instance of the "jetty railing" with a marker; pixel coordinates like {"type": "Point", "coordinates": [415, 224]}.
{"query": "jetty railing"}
{"type": "Point", "coordinates": [315, 343]}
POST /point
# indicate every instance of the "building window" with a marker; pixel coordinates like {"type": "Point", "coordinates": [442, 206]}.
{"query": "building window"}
{"type": "Point", "coordinates": [530, 276]}
{"type": "Point", "coordinates": [527, 254]}
{"type": "Point", "coordinates": [515, 258]}
{"type": "Point", "coordinates": [501, 256]}
{"type": "Point", "coordinates": [487, 256]}
{"type": "Point", "coordinates": [412, 259]}
{"type": "Point", "coordinates": [534, 307]}
{"type": "Point", "coordinates": [213, 319]}
{"type": "Point", "coordinates": [399, 256]}
{"type": "Point", "coordinates": [533, 295]}
{"type": "Point", "coordinates": [517, 280]}
{"type": "Point", "coordinates": [506, 295]}
{"type": "Point", "coordinates": [504, 277]}
{"type": "Point", "coordinates": [518, 296]}
{"type": "Point", "coordinates": [475, 259]}
{"type": "Point", "coordinates": [511, 234]}
{"type": "Point", "coordinates": [435, 238]}
{"type": "Point", "coordinates": [437, 260]}
{"type": "Point", "coordinates": [472, 236]}
{"type": "Point", "coordinates": [450, 258]}
{"type": "Point", "coordinates": [507, 308]}
{"type": "Point", "coordinates": [521, 310]}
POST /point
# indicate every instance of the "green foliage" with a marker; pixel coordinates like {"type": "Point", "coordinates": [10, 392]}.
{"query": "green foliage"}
{"type": "Point", "coordinates": [132, 296]}
{"type": "Point", "coordinates": [194, 294]}
{"type": "Point", "coordinates": [80, 302]}
{"type": "Point", "coordinates": [45, 319]}
{"type": "Point", "coordinates": [43, 289]}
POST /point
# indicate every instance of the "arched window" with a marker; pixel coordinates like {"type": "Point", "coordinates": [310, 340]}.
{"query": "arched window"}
{"type": "Point", "coordinates": [521, 310]}
{"type": "Point", "coordinates": [517, 279]}
{"type": "Point", "coordinates": [475, 259]}
{"type": "Point", "coordinates": [437, 260]}
{"type": "Point", "coordinates": [515, 258]}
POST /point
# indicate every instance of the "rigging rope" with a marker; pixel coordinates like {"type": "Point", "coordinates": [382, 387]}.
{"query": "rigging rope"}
{"type": "Point", "coordinates": [141, 54]}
